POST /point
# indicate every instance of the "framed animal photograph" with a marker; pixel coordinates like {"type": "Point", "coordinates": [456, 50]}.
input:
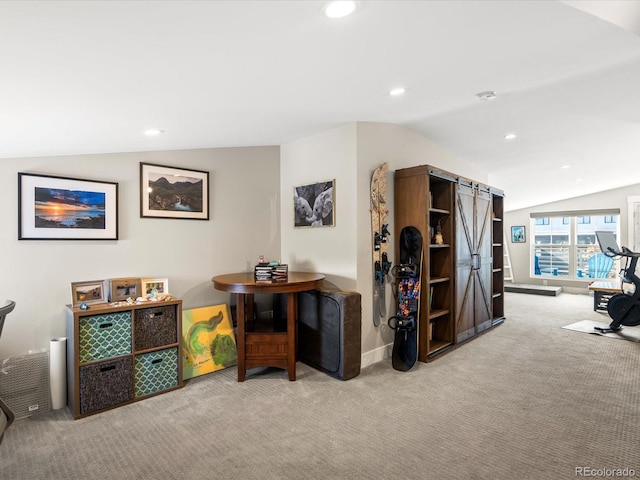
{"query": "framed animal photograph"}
{"type": "Point", "coordinates": [62, 208]}
{"type": "Point", "coordinates": [170, 192]}
{"type": "Point", "coordinates": [313, 205]}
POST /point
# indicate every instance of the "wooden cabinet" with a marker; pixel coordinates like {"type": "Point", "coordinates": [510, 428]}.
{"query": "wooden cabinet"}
{"type": "Point", "coordinates": [474, 231]}
{"type": "Point", "coordinates": [459, 297]}
{"type": "Point", "coordinates": [424, 200]}
{"type": "Point", "coordinates": [499, 252]}
{"type": "Point", "coordinates": [121, 354]}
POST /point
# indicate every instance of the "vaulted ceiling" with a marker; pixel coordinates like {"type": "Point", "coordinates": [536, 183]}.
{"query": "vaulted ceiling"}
{"type": "Point", "coordinates": [83, 77]}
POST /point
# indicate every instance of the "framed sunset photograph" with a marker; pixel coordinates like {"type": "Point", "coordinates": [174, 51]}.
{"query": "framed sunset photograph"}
{"type": "Point", "coordinates": [62, 208]}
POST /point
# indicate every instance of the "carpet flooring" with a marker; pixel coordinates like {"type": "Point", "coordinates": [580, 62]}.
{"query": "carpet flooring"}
{"type": "Point", "coordinates": [588, 326]}
{"type": "Point", "coordinates": [528, 400]}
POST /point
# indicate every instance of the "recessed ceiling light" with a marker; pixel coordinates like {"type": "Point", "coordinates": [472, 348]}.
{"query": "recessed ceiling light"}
{"type": "Point", "coordinates": [510, 136]}
{"type": "Point", "coordinates": [339, 8]}
{"type": "Point", "coordinates": [397, 91]}
{"type": "Point", "coordinates": [565, 166]}
{"type": "Point", "coordinates": [488, 95]}
{"type": "Point", "coordinates": [152, 132]}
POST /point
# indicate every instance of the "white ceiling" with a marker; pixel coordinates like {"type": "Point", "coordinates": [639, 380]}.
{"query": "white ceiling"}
{"type": "Point", "coordinates": [84, 77]}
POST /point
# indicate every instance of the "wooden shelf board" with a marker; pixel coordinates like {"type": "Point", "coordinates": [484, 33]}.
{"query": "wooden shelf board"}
{"type": "Point", "coordinates": [433, 280]}
{"type": "Point", "coordinates": [437, 313]}
{"type": "Point", "coordinates": [440, 211]}
{"type": "Point", "coordinates": [437, 345]}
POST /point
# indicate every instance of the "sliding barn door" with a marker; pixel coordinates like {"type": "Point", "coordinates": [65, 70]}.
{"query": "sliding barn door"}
{"type": "Point", "coordinates": [484, 253]}
{"type": "Point", "coordinates": [473, 260]}
{"type": "Point", "coordinates": [465, 276]}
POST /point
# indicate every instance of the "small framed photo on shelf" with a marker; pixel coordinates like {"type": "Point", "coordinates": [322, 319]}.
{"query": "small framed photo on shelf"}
{"type": "Point", "coordinates": [89, 293]}
{"type": "Point", "coordinates": [151, 287]}
{"type": "Point", "coordinates": [122, 288]}
{"type": "Point", "coordinates": [518, 234]}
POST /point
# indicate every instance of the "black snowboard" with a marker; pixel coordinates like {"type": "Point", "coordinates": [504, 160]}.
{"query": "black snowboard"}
{"type": "Point", "coordinates": [405, 323]}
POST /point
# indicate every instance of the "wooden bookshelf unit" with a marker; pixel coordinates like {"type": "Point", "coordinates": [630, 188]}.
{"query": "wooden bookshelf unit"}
{"type": "Point", "coordinates": [463, 293]}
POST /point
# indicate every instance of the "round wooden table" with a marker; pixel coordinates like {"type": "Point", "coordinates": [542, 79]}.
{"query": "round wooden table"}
{"type": "Point", "coordinates": [274, 349]}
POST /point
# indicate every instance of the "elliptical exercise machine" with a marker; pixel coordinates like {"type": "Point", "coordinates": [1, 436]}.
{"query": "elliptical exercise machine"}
{"type": "Point", "coordinates": [623, 308]}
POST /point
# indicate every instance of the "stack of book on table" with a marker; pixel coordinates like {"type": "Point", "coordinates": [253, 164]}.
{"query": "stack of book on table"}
{"type": "Point", "coordinates": [280, 272]}
{"type": "Point", "coordinates": [262, 272]}
{"type": "Point", "coordinates": [272, 271]}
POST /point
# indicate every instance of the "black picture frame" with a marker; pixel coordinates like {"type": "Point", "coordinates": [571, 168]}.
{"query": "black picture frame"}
{"type": "Point", "coordinates": [314, 205]}
{"type": "Point", "coordinates": [518, 234]}
{"type": "Point", "coordinates": [172, 192]}
{"type": "Point", "coordinates": [53, 207]}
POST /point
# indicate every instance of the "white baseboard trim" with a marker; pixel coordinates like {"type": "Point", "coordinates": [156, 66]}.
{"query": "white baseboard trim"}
{"type": "Point", "coordinates": [376, 355]}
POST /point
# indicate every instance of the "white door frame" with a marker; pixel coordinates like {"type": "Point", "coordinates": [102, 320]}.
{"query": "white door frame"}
{"type": "Point", "coordinates": [633, 222]}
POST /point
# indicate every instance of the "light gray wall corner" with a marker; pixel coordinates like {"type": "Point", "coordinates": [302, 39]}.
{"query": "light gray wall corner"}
{"type": "Point", "coordinates": [244, 223]}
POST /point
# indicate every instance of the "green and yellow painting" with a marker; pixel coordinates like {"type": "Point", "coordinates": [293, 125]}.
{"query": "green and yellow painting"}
{"type": "Point", "coordinates": [208, 340]}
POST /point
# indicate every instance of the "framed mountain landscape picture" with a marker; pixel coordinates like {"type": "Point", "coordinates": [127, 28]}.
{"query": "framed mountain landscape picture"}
{"type": "Point", "coordinates": [171, 192]}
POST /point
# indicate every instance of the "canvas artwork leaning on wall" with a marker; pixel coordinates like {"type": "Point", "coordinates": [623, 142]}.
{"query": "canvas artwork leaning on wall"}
{"type": "Point", "coordinates": [208, 340]}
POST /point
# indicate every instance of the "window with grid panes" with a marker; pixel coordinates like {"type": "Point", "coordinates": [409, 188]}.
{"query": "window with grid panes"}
{"type": "Point", "coordinates": [563, 243]}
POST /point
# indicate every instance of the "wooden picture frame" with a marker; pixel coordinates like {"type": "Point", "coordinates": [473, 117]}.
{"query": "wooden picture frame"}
{"type": "Point", "coordinates": [147, 285]}
{"type": "Point", "coordinates": [518, 234]}
{"type": "Point", "coordinates": [89, 293]}
{"type": "Point", "coordinates": [171, 192]}
{"type": "Point", "coordinates": [122, 288]}
{"type": "Point", "coordinates": [313, 205]}
{"type": "Point", "coordinates": [64, 208]}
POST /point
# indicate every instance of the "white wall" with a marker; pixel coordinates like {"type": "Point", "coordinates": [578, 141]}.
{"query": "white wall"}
{"type": "Point", "coordinates": [244, 223]}
{"type": "Point", "coordinates": [400, 147]}
{"type": "Point", "coordinates": [520, 253]}
{"type": "Point", "coordinates": [344, 253]}
{"type": "Point", "coordinates": [326, 156]}
{"type": "Point", "coordinates": [251, 215]}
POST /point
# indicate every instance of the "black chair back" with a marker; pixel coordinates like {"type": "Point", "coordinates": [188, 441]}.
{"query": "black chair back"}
{"type": "Point", "coordinates": [5, 308]}
{"type": "Point", "coordinates": [6, 415]}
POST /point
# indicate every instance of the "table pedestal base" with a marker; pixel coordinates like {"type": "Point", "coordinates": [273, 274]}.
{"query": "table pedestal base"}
{"type": "Point", "coordinates": [266, 349]}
